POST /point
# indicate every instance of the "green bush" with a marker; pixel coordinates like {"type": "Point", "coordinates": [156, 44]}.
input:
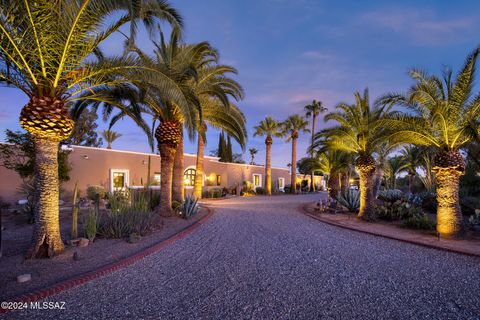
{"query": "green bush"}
{"type": "Point", "coordinates": [189, 207]}
{"type": "Point", "coordinates": [96, 192]}
{"type": "Point", "coordinates": [259, 190]}
{"type": "Point", "coordinates": [398, 210]}
{"type": "Point", "coordinates": [350, 200]}
{"type": "Point", "coordinates": [287, 189]}
{"type": "Point", "coordinates": [475, 218]}
{"type": "Point", "coordinates": [215, 193]}
{"type": "Point", "coordinates": [118, 201]}
{"type": "Point", "coordinates": [176, 206]}
{"type": "Point", "coordinates": [469, 205]}
{"type": "Point", "coordinates": [390, 195]}
{"type": "Point", "coordinates": [419, 221]}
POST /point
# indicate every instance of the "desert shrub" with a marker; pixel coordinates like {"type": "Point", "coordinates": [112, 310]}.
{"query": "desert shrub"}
{"type": "Point", "coordinates": [415, 199]}
{"type": "Point", "coordinates": [419, 221]}
{"type": "Point", "coordinates": [96, 192]}
{"type": "Point", "coordinates": [259, 190]}
{"type": "Point", "coordinates": [390, 195]}
{"type": "Point", "coordinates": [176, 206]}
{"type": "Point", "coordinates": [215, 193]}
{"type": "Point", "coordinates": [398, 210]}
{"type": "Point", "coordinates": [121, 225]}
{"type": "Point", "coordinates": [91, 224]}
{"type": "Point", "coordinates": [287, 188]}
{"type": "Point", "coordinates": [154, 199]}
{"type": "Point", "coordinates": [118, 201]}
{"type": "Point", "coordinates": [350, 200]}
{"type": "Point", "coordinates": [247, 187]}
{"type": "Point", "coordinates": [189, 207]}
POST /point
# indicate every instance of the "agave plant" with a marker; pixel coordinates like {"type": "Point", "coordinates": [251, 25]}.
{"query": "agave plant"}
{"type": "Point", "coordinates": [189, 207]}
{"type": "Point", "coordinates": [350, 200]}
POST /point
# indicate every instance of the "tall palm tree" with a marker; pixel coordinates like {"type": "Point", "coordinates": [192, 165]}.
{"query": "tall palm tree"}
{"type": "Point", "coordinates": [269, 128]}
{"type": "Point", "coordinates": [442, 114]}
{"type": "Point", "coordinates": [291, 129]}
{"type": "Point", "coordinates": [46, 50]}
{"type": "Point", "coordinates": [313, 110]}
{"type": "Point", "coordinates": [231, 120]}
{"type": "Point", "coordinates": [253, 152]}
{"type": "Point", "coordinates": [361, 130]}
{"type": "Point", "coordinates": [214, 89]}
{"type": "Point", "coordinates": [110, 136]}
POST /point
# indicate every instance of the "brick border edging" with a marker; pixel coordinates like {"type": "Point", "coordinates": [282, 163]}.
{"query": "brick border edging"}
{"type": "Point", "coordinates": [106, 269]}
{"type": "Point", "coordinates": [302, 209]}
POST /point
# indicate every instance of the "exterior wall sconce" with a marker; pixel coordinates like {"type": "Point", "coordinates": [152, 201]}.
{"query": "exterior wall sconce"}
{"type": "Point", "coordinates": [144, 162]}
{"type": "Point", "coordinates": [85, 157]}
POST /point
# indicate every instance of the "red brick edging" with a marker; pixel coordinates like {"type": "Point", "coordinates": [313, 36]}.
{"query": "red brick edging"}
{"type": "Point", "coordinates": [107, 269]}
{"type": "Point", "coordinates": [302, 208]}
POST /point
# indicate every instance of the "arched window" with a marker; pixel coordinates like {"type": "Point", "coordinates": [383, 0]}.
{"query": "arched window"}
{"type": "Point", "coordinates": [189, 177]}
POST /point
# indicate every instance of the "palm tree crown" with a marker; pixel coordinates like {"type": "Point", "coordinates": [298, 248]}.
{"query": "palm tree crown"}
{"type": "Point", "coordinates": [293, 125]}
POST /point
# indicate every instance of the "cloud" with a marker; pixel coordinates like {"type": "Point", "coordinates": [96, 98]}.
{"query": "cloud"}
{"type": "Point", "coordinates": [423, 26]}
{"type": "Point", "coordinates": [316, 55]}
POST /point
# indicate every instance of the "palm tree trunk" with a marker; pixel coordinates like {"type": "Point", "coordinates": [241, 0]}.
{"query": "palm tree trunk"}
{"type": "Point", "coordinates": [377, 181]}
{"type": "Point", "coordinates": [312, 184]}
{"type": "Point", "coordinates": [410, 183]}
{"type": "Point", "coordinates": [268, 167]}
{"type": "Point", "coordinates": [178, 166]}
{"type": "Point", "coordinates": [46, 239]}
{"type": "Point", "coordinates": [332, 185]}
{"type": "Point", "coordinates": [197, 188]}
{"type": "Point", "coordinates": [366, 193]}
{"type": "Point", "coordinates": [293, 177]}
{"type": "Point", "coordinates": [449, 214]}
{"type": "Point", "coordinates": [109, 145]}
{"type": "Point", "coordinates": [167, 154]}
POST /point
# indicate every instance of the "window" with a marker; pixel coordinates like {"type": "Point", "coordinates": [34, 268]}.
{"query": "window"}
{"type": "Point", "coordinates": [118, 179]}
{"type": "Point", "coordinates": [281, 183]}
{"type": "Point", "coordinates": [156, 178]}
{"type": "Point", "coordinates": [257, 180]}
{"type": "Point", "coordinates": [189, 177]}
{"type": "Point", "coordinates": [219, 179]}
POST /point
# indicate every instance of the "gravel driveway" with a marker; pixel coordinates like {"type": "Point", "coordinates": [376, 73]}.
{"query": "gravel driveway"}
{"type": "Point", "coordinates": [258, 258]}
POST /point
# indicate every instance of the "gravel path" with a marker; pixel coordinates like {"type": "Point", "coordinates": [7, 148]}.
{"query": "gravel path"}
{"type": "Point", "coordinates": [258, 258]}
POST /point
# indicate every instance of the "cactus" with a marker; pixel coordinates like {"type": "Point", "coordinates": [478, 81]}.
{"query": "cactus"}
{"type": "Point", "coordinates": [74, 231]}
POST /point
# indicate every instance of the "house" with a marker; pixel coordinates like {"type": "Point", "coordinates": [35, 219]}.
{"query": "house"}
{"type": "Point", "coordinates": [117, 169]}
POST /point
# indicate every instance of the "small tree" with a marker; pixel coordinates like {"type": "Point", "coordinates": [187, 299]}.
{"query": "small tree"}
{"type": "Point", "coordinates": [110, 136]}
{"type": "Point", "coordinates": [253, 152]}
{"type": "Point", "coordinates": [84, 133]}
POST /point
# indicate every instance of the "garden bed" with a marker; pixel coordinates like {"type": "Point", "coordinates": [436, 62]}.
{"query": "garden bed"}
{"type": "Point", "coordinates": [45, 272]}
{"type": "Point", "coordinates": [469, 245]}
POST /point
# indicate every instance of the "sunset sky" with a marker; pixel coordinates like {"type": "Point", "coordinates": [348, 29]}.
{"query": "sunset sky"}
{"type": "Point", "coordinates": [291, 52]}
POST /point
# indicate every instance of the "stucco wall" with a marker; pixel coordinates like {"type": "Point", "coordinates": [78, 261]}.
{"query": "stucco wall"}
{"type": "Point", "coordinates": [92, 166]}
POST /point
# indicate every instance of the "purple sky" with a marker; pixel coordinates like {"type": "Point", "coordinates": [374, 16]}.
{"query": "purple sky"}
{"type": "Point", "coordinates": [291, 52]}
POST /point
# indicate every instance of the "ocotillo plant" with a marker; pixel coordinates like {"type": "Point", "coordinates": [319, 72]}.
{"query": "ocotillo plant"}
{"type": "Point", "coordinates": [74, 231]}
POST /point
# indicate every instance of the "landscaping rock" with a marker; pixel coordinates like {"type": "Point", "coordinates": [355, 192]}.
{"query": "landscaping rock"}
{"type": "Point", "coordinates": [133, 238]}
{"type": "Point", "coordinates": [83, 242]}
{"type": "Point", "coordinates": [24, 278]}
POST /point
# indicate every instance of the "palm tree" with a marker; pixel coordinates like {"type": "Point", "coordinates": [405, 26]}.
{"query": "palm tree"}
{"type": "Point", "coordinates": [442, 114]}
{"type": "Point", "coordinates": [333, 164]}
{"type": "Point", "coordinates": [411, 161]}
{"type": "Point", "coordinates": [214, 88]}
{"type": "Point", "coordinates": [110, 136]}
{"type": "Point", "coordinates": [46, 50]}
{"type": "Point", "coordinates": [253, 152]}
{"type": "Point", "coordinates": [231, 120]}
{"type": "Point", "coordinates": [361, 130]}
{"type": "Point", "coordinates": [395, 165]}
{"type": "Point", "coordinates": [269, 128]}
{"type": "Point", "coordinates": [313, 110]}
{"type": "Point", "coordinates": [291, 128]}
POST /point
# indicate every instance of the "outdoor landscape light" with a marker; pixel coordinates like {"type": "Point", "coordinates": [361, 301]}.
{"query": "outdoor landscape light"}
{"type": "Point", "coordinates": [85, 157]}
